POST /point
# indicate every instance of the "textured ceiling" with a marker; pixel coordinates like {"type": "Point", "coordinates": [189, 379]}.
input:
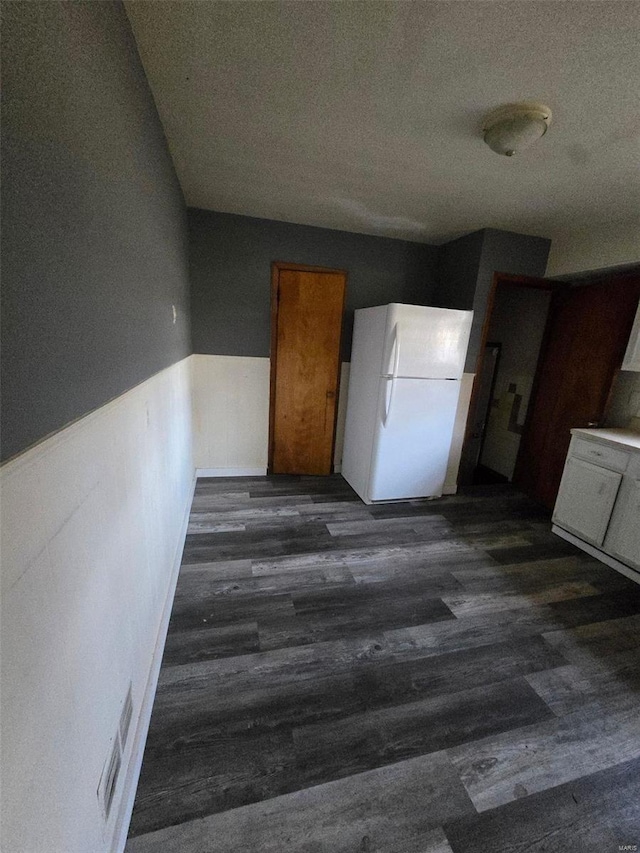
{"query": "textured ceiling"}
{"type": "Point", "coordinates": [365, 116]}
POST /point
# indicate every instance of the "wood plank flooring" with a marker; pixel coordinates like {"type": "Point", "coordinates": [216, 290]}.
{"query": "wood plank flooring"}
{"type": "Point", "coordinates": [424, 677]}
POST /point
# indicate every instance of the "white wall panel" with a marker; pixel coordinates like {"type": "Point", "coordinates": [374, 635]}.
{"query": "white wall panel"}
{"type": "Point", "coordinates": [230, 412]}
{"type": "Point", "coordinates": [93, 522]}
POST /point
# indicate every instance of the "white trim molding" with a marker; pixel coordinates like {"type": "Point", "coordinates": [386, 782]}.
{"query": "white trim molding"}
{"type": "Point", "coordinates": [231, 472]}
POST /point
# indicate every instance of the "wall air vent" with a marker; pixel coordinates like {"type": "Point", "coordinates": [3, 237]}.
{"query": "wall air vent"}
{"type": "Point", "coordinates": [109, 780]}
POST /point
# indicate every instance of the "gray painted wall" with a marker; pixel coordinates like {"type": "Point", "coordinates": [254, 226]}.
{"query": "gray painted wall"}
{"type": "Point", "coordinates": [458, 264]}
{"type": "Point", "coordinates": [465, 275]}
{"type": "Point", "coordinates": [466, 267]}
{"type": "Point", "coordinates": [230, 271]}
{"type": "Point", "coordinates": [94, 226]}
{"type": "Point", "coordinates": [502, 251]}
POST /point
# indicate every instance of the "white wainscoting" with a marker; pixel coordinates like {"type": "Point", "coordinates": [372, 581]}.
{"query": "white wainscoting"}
{"type": "Point", "coordinates": [230, 414]}
{"type": "Point", "coordinates": [459, 428]}
{"type": "Point", "coordinates": [93, 524]}
{"type": "Point", "coordinates": [231, 417]}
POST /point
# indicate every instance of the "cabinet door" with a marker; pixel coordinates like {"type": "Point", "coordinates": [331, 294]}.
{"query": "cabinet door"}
{"type": "Point", "coordinates": [585, 500]}
{"type": "Point", "coordinates": [623, 537]}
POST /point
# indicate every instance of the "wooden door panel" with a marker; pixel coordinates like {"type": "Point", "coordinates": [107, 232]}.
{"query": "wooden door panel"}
{"type": "Point", "coordinates": [308, 326]}
{"type": "Point", "coordinates": [589, 326]}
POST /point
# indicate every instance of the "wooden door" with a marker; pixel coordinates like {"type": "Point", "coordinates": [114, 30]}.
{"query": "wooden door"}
{"type": "Point", "coordinates": [306, 325]}
{"type": "Point", "coordinates": [589, 326]}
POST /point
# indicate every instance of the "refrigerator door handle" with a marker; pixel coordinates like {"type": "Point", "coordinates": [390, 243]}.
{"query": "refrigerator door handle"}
{"type": "Point", "coordinates": [389, 393]}
{"type": "Point", "coordinates": [394, 354]}
{"type": "Point", "coordinates": [388, 399]}
{"type": "Point", "coordinates": [396, 360]}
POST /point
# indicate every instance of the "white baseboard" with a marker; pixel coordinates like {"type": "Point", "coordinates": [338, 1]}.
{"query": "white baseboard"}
{"type": "Point", "coordinates": [231, 472]}
{"type": "Point", "coordinates": [134, 765]}
{"type": "Point", "coordinates": [597, 553]}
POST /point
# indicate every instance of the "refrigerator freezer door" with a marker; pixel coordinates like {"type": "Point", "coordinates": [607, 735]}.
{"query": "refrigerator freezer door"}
{"type": "Point", "coordinates": [411, 451]}
{"type": "Point", "coordinates": [426, 343]}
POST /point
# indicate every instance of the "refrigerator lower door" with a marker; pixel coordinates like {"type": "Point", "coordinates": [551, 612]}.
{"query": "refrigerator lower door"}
{"type": "Point", "coordinates": [413, 438]}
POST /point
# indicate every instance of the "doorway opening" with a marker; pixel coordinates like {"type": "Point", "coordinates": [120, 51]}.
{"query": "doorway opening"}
{"type": "Point", "coordinates": [516, 332]}
{"type": "Point", "coordinates": [562, 345]}
{"type": "Point", "coordinates": [490, 363]}
{"type": "Point", "coordinates": [504, 377]}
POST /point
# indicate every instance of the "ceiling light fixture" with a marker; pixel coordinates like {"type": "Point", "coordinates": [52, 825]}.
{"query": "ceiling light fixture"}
{"type": "Point", "coordinates": [514, 127]}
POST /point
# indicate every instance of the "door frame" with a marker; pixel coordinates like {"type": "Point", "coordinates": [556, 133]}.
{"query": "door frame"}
{"type": "Point", "coordinates": [487, 346]}
{"type": "Point", "coordinates": [276, 267]}
{"type": "Point", "coordinates": [507, 280]}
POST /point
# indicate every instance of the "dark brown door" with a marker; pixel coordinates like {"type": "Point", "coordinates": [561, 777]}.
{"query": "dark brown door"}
{"type": "Point", "coordinates": [589, 326]}
{"type": "Point", "coordinates": [307, 308]}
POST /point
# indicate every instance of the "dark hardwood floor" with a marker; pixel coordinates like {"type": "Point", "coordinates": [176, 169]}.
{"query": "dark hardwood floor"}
{"type": "Point", "coordinates": [421, 677]}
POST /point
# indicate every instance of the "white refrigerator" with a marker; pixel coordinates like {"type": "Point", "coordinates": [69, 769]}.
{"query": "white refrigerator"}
{"type": "Point", "coordinates": [406, 367]}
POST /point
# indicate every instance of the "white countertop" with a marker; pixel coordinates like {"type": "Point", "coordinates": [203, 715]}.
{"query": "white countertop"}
{"type": "Point", "coordinates": [627, 438]}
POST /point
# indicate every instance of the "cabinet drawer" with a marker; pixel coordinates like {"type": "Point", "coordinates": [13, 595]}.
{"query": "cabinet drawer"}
{"type": "Point", "coordinates": [600, 454]}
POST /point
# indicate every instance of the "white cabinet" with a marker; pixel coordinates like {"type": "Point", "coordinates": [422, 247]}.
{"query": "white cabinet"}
{"type": "Point", "coordinates": [598, 505]}
{"type": "Point", "coordinates": [623, 536]}
{"type": "Point", "coordinates": [586, 498]}
{"type": "Point", "coordinates": [632, 356]}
